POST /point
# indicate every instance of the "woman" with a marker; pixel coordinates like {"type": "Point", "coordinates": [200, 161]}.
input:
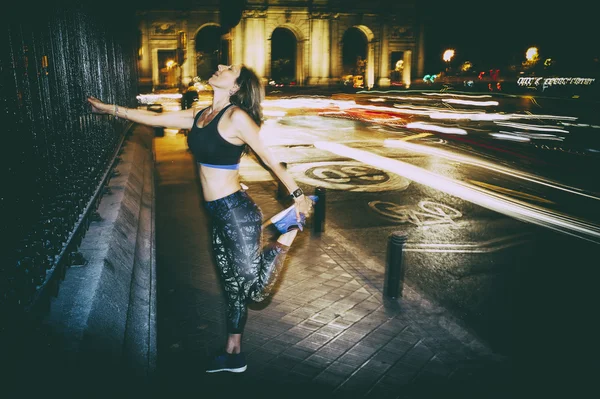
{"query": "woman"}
{"type": "Point", "coordinates": [218, 137]}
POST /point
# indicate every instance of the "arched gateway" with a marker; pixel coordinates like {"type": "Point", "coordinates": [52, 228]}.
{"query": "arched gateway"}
{"type": "Point", "coordinates": [305, 42]}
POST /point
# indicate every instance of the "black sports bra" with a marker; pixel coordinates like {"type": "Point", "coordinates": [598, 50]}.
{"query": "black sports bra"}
{"type": "Point", "coordinates": [210, 148]}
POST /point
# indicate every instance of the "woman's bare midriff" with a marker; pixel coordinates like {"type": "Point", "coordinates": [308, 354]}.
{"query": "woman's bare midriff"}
{"type": "Point", "coordinates": [218, 183]}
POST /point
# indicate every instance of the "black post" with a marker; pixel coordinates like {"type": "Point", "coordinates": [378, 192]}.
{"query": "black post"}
{"type": "Point", "coordinates": [282, 191]}
{"type": "Point", "coordinates": [319, 216]}
{"type": "Point", "coordinates": [394, 270]}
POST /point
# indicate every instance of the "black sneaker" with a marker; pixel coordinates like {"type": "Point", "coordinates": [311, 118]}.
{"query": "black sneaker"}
{"type": "Point", "coordinates": [234, 363]}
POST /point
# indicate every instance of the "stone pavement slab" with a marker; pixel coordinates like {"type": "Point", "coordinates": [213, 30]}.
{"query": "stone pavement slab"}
{"type": "Point", "coordinates": [327, 331]}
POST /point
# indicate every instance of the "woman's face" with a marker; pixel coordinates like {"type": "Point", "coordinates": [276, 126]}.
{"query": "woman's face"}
{"type": "Point", "coordinates": [225, 77]}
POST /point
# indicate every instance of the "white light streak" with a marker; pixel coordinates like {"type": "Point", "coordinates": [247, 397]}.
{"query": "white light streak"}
{"type": "Point", "coordinates": [411, 98]}
{"type": "Point", "coordinates": [273, 113]}
{"type": "Point", "coordinates": [537, 136]}
{"type": "Point", "coordinates": [395, 143]}
{"type": "Point", "coordinates": [526, 126]}
{"type": "Point", "coordinates": [473, 116]}
{"type": "Point", "coordinates": [494, 201]}
{"type": "Point", "coordinates": [470, 102]}
{"type": "Point", "coordinates": [435, 128]}
{"type": "Point", "coordinates": [508, 136]}
{"type": "Point", "coordinates": [457, 95]}
{"type": "Point", "coordinates": [307, 102]}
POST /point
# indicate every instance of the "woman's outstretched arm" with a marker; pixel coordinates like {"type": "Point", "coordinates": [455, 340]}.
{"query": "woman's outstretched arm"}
{"type": "Point", "coordinates": [174, 119]}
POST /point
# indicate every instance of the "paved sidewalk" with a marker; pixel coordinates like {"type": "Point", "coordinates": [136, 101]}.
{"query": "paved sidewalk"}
{"type": "Point", "coordinates": [326, 332]}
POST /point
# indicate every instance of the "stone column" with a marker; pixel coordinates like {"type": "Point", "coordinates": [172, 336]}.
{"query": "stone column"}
{"type": "Point", "coordinates": [186, 71]}
{"type": "Point", "coordinates": [370, 70]}
{"type": "Point", "coordinates": [319, 49]}
{"type": "Point", "coordinates": [334, 56]}
{"type": "Point", "coordinates": [406, 73]}
{"type": "Point", "coordinates": [254, 40]}
{"type": "Point", "coordinates": [237, 43]}
{"type": "Point", "coordinates": [155, 68]}
{"type": "Point", "coordinates": [384, 57]}
{"type": "Point", "coordinates": [145, 64]}
{"type": "Point", "coordinates": [191, 55]}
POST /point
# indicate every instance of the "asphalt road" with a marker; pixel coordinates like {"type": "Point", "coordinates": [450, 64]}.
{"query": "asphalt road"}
{"type": "Point", "coordinates": [498, 202]}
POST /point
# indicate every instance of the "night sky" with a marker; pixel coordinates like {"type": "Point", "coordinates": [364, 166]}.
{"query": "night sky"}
{"type": "Point", "coordinates": [494, 33]}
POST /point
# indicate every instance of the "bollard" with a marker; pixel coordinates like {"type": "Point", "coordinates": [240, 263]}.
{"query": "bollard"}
{"type": "Point", "coordinates": [394, 270]}
{"type": "Point", "coordinates": [319, 215]}
{"type": "Point", "coordinates": [282, 191]}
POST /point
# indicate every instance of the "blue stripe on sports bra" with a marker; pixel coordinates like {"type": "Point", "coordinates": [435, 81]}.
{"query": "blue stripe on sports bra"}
{"type": "Point", "coordinates": [230, 167]}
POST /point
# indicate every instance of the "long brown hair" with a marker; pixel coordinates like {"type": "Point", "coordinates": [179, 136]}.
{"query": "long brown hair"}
{"type": "Point", "coordinates": [250, 94]}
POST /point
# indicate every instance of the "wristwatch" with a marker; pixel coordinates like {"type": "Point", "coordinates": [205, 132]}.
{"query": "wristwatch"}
{"type": "Point", "coordinates": [297, 192]}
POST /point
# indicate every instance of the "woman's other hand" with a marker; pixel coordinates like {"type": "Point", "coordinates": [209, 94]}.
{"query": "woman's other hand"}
{"type": "Point", "coordinates": [303, 205]}
{"type": "Point", "coordinates": [98, 107]}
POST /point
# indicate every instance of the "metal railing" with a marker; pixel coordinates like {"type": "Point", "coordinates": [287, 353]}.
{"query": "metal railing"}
{"type": "Point", "coordinates": [56, 157]}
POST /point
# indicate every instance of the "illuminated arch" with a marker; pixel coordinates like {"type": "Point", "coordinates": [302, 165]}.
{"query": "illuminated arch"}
{"type": "Point", "coordinates": [300, 40]}
{"type": "Point", "coordinates": [370, 69]}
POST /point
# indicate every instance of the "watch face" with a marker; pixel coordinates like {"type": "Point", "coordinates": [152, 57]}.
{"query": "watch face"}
{"type": "Point", "coordinates": [297, 192]}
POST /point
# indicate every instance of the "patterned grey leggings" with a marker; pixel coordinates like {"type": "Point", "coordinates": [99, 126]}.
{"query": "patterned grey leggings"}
{"type": "Point", "coordinates": [248, 270]}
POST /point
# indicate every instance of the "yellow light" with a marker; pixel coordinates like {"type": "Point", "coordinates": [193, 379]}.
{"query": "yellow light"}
{"type": "Point", "coordinates": [170, 63]}
{"type": "Point", "coordinates": [448, 55]}
{"type": "Point", "coordinates": [532, 54]}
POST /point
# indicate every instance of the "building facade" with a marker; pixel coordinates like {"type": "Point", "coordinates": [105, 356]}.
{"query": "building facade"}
{"type": "Point", "coordinates": [319, 41]}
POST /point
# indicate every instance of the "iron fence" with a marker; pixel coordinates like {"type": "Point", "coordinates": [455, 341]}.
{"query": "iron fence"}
{"type": "Point", "coordinates": [56, 156]}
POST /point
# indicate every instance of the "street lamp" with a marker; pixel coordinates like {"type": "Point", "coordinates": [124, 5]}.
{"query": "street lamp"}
{"type": "Point", "coordinates": [532, 56]}
{"type": "Point", "coordinates": [447, 57]}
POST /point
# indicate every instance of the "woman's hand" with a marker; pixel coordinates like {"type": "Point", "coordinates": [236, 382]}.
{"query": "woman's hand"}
{"type": "Point", "coordinates": [98, 107]}
{"type": "Point", "coordinates": [303, 205]}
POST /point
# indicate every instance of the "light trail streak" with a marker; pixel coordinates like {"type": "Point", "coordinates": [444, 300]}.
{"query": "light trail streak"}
{"type": "Point", "coordinates": [537, 136]}
{"type": "Point", "coordinates": [510, 136]}
{"type": "Point", "coordinates": [435, 128]}
{"type": "Point", "coordinates": [526, 126]}
{"type": "Point", "coordinates": [493, 201]}
{"type": "Point", "coordinates": [273, 113]}
{"type": "Point", "coordinates": [470, 102]}
{"type": "Point", "coordinates": [380, 99]}
{"type": "Point", "coordinates": [395, 143]}
{"type": "Point", "coordinates": [458, 95]}
{"type": "Point", "coordinates": [473, 116]}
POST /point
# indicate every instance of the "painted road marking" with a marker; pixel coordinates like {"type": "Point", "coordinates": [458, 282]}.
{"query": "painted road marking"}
{"type": "Point", "coordinates": [347, 176]}
{"type": "Point", "coordinates": [424, 215]}
{"type": "Point", "coordinates": [497, 202]}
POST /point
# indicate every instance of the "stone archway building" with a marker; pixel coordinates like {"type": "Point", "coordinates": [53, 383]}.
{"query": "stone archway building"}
{"type": "Point", "coordinates": [391, 32]}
